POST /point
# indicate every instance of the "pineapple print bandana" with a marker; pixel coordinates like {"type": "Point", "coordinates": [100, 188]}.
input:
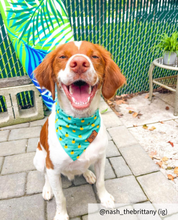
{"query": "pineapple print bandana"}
{"type": "Point", "coordinates": [75, 134]}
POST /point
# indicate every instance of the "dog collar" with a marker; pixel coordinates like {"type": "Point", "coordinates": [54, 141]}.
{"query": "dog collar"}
{"type": "Point", "coordinates": [75, 134]}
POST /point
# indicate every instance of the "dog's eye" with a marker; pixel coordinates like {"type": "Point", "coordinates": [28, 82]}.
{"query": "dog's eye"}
{"type": "Point", "coordinates": [62, 57]}
{"type": "Point", "coordinates": [95, 57]}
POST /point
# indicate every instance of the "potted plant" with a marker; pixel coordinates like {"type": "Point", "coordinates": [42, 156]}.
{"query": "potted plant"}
{"type": "Point", "coordinates": [169, 47]}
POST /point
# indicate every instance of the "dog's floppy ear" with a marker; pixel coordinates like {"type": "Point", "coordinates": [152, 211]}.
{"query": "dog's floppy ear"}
{"type": "Point", "coordinates": [44, 73]}
{"type": "Point", "coordinates": [113, 78]}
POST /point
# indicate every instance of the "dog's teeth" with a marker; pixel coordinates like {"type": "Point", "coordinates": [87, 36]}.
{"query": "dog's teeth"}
{"type": "Point", "coordinates": [70, 89]}
{"type": "Point", "coordinates": [89, 90]}
{"type": "Point", "coordinates": [80, 103]}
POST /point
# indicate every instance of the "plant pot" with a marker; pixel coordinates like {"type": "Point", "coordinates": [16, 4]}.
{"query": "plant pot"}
{"type": "Point", "coordinates": [169, 58]}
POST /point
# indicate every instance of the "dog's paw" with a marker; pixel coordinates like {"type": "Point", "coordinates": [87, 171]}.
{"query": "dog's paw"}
{"type": "Point", "coordinates": [47, 193]}
{"type": "Point", "coordinates": [60, 216]}
{"type": "Point", "coordinates": [90, 177]}
{"type": "Point", "coordinates": [107, 200]}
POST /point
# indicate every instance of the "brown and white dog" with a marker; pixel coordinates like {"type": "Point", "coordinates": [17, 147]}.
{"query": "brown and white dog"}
{"type": "Point", "coordinates": [69, 66]}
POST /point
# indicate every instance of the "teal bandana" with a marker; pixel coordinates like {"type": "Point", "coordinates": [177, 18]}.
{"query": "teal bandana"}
{"type": "Point", "coordinates": [75, 134]}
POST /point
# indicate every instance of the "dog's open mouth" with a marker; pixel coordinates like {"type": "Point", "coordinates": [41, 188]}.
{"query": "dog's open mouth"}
{"type": "Point", "coordinates": [80, 94]}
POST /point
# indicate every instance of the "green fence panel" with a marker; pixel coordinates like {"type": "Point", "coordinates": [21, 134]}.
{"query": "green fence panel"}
{"type": "Point", "coordinates": [10, 66]}
{"type": "Point", "coordinates": [128, 29]}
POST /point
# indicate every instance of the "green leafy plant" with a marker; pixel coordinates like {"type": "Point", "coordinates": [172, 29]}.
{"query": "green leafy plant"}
{"type": "Point", "coordinates": [167, 44]}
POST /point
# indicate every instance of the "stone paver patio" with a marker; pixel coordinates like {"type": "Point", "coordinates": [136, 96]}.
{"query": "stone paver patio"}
{"type": "Point", "coordinates": [130, 174]}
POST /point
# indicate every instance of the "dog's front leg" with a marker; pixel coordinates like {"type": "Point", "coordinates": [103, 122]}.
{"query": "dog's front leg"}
{"type": "Point", "coordinates": [56, 185]}
{"type": "Point", "coordinates": [107, 200]}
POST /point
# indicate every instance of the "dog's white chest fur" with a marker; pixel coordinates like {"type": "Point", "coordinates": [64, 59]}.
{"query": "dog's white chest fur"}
{"type": "Point", "coordinates": [61, 160]}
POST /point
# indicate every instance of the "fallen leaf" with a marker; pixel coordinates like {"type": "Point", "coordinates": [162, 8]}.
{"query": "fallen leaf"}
{"type": "Point", "coordinates": [131, 112]}
{"type": "Point", "coordinates": [139, 115]}
{"type": "Point", "coordinates": [130, 108]}
{"type": "Point", "coordinates": [153, 153]}
{"type": "Point", "coordinates": [171, 143]}
{"type": "Point", "coordinates": [102, 112]}
{"type": "Point", "coordinates": [160, 163]}
{"type": "Point", "coordinates": [124, 95]}
{"type": "Point", "coordinates": [145, 126]}
{"type": "Point", "coordinates": [118, 102]}
{"type": "Point", "coordinates": [169, 168]}
{"type": "Point", "coordinates": [152, 128]}
{"type": "Point", "coordinates": [147, 96]}
{"type": "Point", "coordinates": [176, 170]}
{"type": "Point", "coordinates": [112, 105]}
{"type": "Point", "coordinates": [170, 177]}
{"type": "Point", "coordinates": [118, 114]}
{"type": "Point", "coordinates": [135, 125]}
{"type": "Point", "coordinates": [162, 90]}
{"type": "Point", "coordinates": [135, 114]}
{"type": "Point", "coordinates": [156, 157]}
{"type": "Point", "coordinates": [167, 108]}
{"type": "Point", "coordinates": [109, 102]}
{"type": "Point", "coordinates": [164, 159]}
{"type": "Point", "coordinates": [161, 122]}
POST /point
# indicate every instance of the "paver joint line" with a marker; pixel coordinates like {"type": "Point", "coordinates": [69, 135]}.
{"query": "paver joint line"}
{"type": "Point", "coordinates": [3, 158]}
{"type": "Point", "coordinates": [148, 173]}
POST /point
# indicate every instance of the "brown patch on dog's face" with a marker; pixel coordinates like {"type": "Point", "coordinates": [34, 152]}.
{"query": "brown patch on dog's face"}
{"type": "Point", "coordinates": [63, 54]}
{"type": "Point", "coordinates": [96, 56]}
{"type": "Point", "coordinates": [103, 69]}
{"type": "Point", "coordinates": [66, 51]}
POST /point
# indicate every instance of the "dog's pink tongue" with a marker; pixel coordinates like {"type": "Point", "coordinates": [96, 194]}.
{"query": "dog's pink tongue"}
{"type": "Point", "coordinates": [80, 93]}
